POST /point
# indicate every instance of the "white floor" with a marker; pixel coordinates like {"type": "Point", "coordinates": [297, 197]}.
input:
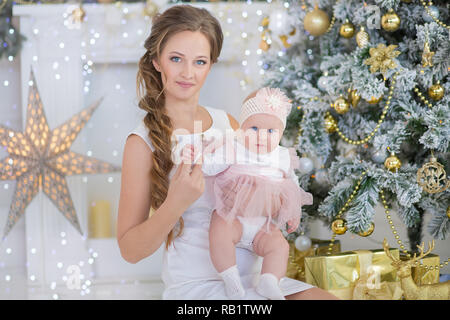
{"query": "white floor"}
{"type": "Point", "coordinates": [17, 288]}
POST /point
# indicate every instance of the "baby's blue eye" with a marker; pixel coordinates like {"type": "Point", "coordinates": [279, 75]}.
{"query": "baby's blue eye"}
{"type": "Point", "coordinates": [254, 128]}
{"type": "Point", "coordinates": [270, 130]}
{"type": "Point", "coordinates": [175, 58]}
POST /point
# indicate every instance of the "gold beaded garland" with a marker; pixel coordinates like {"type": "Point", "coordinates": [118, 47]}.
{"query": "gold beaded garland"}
{"type": "Point", "coordinates": [380, 121]}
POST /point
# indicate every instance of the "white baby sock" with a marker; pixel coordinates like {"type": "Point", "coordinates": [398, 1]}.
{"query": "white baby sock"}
{"type": "Point", "coordinates": [268, 286]}
{"type": "Point", "coordinates": [233, 285]}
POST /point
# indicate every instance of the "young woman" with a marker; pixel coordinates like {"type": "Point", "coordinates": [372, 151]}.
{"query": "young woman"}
{"type": "Point", "coordinates": [183, 45]}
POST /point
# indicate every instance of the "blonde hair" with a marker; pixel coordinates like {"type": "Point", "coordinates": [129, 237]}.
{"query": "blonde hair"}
{"type": "Point", "coordinates": [150, 90]}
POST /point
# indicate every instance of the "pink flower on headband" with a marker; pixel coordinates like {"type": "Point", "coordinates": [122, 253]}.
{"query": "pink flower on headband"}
{"type": "Point", "coordinates": [274, 100]}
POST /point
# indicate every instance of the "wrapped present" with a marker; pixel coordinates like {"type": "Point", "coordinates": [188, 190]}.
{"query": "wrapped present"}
{"type": "Point", "coordinates": [421, 275]}
{"type": "Point", "coordinates": [355, 275]}
{"type": "Point", "coordinates": [296, 263]}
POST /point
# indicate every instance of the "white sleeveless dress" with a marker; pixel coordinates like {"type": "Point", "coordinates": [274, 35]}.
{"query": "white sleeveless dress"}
{"type": "Point", "coordinates": [187, 270]}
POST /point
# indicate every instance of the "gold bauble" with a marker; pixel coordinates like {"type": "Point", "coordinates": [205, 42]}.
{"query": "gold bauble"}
{"type": "Point", "coordinates": [330, 124]}
{"type": "Point", "coordinates": [316, 22]}
{"type": "Point", "coordinates": [339, 226]}
{"type": "Point", "coordinates": [448, 212]}
{"type": "Point", "coordinates": [367, 232]}
{"type": "Point", "coordinates": [341, 105]}
{"type": "Point", "coordinates": [392, 163]}
{"type": "Point", "coordinates": [347, 30]}
{"type": "Point", "coordinates": [354, 98]}
{"type": "Point", "coordinates": [436, 92]}
{"type": "Point", "coordinates": [362, 38]}
{"type": "Point", "coordinates": [390, 21]}
{"type": "Point", "coordinates": [374, 100]}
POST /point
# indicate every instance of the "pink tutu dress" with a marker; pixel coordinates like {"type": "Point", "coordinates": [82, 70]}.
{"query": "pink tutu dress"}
{"type": "Point", "coordinates": [252, 185]}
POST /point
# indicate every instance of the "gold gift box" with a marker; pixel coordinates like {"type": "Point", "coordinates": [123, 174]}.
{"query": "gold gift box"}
{"type": "Point", "coordinates": [296, 263]}
{"type": "Point", "coordinates": [421, 275]}
{"type": "Point", "coordinates": [360, 274]}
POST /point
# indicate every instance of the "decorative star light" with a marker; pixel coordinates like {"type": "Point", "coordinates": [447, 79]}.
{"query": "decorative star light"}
{"type": "Point", "coordinates": [39, 159]}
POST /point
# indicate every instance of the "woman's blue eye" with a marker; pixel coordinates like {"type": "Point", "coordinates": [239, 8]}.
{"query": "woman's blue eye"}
{"type": "Point", "coordinates": [254, 128]}
{"type": "Point", "coordinates": [175, 58]}
{"type": "Point", "coordinates": [202, 62]}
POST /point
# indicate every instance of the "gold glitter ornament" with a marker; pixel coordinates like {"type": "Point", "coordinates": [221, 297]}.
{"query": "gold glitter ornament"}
{"type": "Point", "coordinates": [392, 163]}
{"type": "Point", "coordinates": [390, 21]}
{"type": "Point", "coordinates": [362, 38]}
{"type": "Point", "coordinates": [427, 56]}
{"type": "Point", "coordinates": [367, 232]}
{"type": "Point", "coordinates": [316, 22]}
{"type": "Point", "coordinates": [263, 45]}
{"type": "Point", "coordinates": [432, 177]}
{"type": "Point", "coordinates": [339, 226]}
{"type": "Point", "coordinates": [354, 98]}
{"type": "Point", "coordinates": [381, 58]}
{"type": "Point", "coordinates": [330, 124]}
{"type": "Point", "coordinates": [412, 291]}
{"type": "Point", "coordinates": [436, 92]}
{"type": "Point", "coordinates": [341, 105]}
{"type": "Point", "coordinates": [347, 29]}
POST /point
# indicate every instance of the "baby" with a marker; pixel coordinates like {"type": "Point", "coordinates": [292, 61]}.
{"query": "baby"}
{"type": "Point", "coordinates": [256, 194]}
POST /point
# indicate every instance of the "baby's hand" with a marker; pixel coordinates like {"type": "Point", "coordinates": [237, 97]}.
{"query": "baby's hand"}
{"type": "Point", "coordinates": [293, 225]}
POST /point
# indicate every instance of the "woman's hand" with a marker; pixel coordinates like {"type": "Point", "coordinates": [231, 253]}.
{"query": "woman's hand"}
{"type": "Point", "coordinates": [188, 183]}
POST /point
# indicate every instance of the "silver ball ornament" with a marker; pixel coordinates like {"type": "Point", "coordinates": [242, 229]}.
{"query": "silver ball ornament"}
{"type": "Point", "coordinates": [434, 11]}
{"type": "Point", "coordinates": [322, 176]}
{"type": "Point", "coordinates": [302, 243]}
{"type": "Point", "coordinates": [322, 83]}
{"type": "Point", "coordinates": [305, 165]}
{"type": "Point", "coordinates": [379, 156]}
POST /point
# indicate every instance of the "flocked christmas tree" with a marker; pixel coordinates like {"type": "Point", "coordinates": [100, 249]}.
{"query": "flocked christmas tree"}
{"type": "Point", "coordinates": [372, 124]}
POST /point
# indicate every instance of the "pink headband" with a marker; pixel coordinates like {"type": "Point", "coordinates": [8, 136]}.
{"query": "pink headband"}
{"type": "Point", "coordinates": [269, 101]}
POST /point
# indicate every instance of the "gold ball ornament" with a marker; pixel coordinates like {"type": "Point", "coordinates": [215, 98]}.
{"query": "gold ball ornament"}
{"type": "Point", "coordinates": [341, 105]}
{"type": "Point", "coordinates": [448, 212]}
{"type": "Point", "coordinates": [374, 100]}
{"type": "Point", "coordinates": [436, 92]}
{"type": "Point", "coordinates": [390, 21]}
{"type": "Point", "coordinates": [362, 38]}
{"type": "Point", "coordinates": [367, 232]}
{"type": "Point", "coordinates": [330, 124]}
{"type": "Point", "coordinates": [392, 163]}
{"type": "Point", "coordinates": [316, 22]}
{"type": "Point", "coordinates": [339, 226]}
{"type": "Point", "coordinates": [347, 30]}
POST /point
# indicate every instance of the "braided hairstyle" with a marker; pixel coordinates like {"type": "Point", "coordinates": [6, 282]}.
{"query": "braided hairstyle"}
{"type": "Point", "coordinates": [150, 90]}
